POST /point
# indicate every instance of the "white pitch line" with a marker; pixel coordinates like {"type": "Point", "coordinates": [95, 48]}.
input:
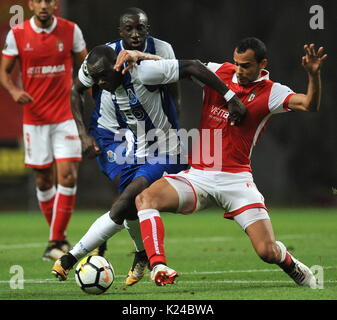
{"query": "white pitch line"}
{"type": "Point", "coordinates": [195, 273]}
{"type": "Point", "coordinates": [175, 240]}
{"type": "Point", "coordinates": [243, 271]}
{"type": "Point", "coordinates": [44, 281]}
{"type": "Point", "coordinates": [23, 246]}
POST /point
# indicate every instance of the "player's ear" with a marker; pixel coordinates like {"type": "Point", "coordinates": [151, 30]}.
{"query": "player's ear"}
{"type": "Point", "coordinates": [55, 4]}
{"type": "Point", "coordinates": [263, 63]}
{"type": "Point", "coordinates": [30, 5]}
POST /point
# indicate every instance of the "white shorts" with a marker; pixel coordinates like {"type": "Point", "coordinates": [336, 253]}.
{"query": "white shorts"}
{"type": "Point", "coordinates": [46, 143]}
{"type": "Point", "coordinates": [234, 192]}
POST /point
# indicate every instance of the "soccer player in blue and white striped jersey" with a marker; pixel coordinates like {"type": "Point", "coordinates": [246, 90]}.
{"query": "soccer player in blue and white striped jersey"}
{"type": "Point", "coordinates": [139, 106]}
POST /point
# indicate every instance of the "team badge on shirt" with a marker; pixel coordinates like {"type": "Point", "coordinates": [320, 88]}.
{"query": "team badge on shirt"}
{"type": "Point", "coordinates": [111, 156]}
{"type": "Point", "coordinates": [132, 97]}
{"type": "Point", "coordinates": [251, 96]}
{"type": "Point", "coordinates": [60, 45]}
{"type": "Point", "coordinates": [28, 47]}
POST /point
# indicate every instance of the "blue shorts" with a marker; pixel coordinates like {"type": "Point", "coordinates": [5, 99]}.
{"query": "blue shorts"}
{"type": "Point", "coordinates": [150, 171]}
{"type": "Point", "coordinates": [112, 161]}
{"type": "Point", "coordinates": [109, 161]}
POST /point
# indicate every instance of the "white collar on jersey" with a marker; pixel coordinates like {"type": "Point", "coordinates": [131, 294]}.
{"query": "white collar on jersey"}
{"type": "Point", "coordinates": [264, 76]}
{"type": "Point", "coordinates": [40, 30]}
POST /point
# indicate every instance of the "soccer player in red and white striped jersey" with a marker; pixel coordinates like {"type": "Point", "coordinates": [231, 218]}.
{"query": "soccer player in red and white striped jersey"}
{"type": "Point", "coordinates": [223, 176]}
{"type": "Point", "coordinates": [46, 46]}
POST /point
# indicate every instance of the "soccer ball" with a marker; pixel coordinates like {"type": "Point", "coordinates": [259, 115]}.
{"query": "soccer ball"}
{"type": "Point", "coordinates": [94, 274]}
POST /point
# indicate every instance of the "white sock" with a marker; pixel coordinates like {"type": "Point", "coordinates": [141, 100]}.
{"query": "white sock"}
{"type": "Point", "coordinates": [46, 194]}
{"type": "Point", "coordinates": [283, 250]}
{"type": "Point", "coordinates": [134, 230]}
{"type": "Point", "coordinates": [101, 230]}
{"type": "Point", "coordinates": [66, 190]}
{"type": "Point", "coordinates": [147, 214]}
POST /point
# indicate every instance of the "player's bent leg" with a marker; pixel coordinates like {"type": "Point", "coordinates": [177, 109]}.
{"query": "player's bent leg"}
{"type": "Point", "coordinates": [100, 231]}
{"type": "Point", "coordinates": [124, 212]}
{"type": "Point", "coordinates": [262, 237]}
{"type": "Point", "coordinates": [159, 196]}
{"type": "Point", "coordinates": [124, 207]}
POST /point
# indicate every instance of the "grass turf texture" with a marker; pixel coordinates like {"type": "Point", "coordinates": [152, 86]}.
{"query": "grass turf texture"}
{"type": "Point", "coordinates": [212, 254]}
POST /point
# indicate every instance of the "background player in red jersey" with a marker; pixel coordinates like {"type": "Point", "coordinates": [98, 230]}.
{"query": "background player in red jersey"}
{"type": "Point", "coordinates": [228, 182]}
{"type": "Point", "coordinates": [45, 45]}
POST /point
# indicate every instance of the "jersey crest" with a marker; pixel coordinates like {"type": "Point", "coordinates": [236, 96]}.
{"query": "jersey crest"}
{"type": "Point", "coordinates": [132, 97]}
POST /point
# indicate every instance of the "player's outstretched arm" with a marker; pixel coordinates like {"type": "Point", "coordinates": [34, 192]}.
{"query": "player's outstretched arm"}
{"type": "Point", "coordinates": [237, 110]}
{"type": "Point", "coordinates": [89, 146]}
{"type": "Point", "coordinates": [312, 62]}
{"type": "Point", "coordinates": [132, 57]}
{"type": "Point", "coordinates": [18, 95]}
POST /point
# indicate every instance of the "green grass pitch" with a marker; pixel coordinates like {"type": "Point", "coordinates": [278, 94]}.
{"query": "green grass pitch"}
{"type": "Point", "coordinates": [214, 257]}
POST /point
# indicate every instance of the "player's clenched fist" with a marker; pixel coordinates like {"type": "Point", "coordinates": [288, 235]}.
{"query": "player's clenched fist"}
{"type": "Point", "coordinates": [90, 149]}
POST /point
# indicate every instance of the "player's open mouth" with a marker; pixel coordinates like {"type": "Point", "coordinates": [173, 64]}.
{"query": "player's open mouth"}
{"type": "Point", "coordinates": [135, 43]}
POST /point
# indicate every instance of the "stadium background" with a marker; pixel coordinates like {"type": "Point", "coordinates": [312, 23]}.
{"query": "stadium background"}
{"type": "Point", "coordinates": [295, 161]}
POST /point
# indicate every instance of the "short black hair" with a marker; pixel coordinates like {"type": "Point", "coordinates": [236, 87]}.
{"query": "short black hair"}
{"type": "Point", "coordinates": [132, 11]}
{"type": "Point", "coordinates": [255, 44]}
{"type": "Point", "coordinates": [103, 52]}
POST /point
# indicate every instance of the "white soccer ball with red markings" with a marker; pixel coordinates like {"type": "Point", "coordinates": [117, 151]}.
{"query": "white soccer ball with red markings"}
{"type": "Point", "coordinates": [94, 274]}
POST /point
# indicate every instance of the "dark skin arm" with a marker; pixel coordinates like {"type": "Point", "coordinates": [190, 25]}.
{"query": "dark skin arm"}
{"type": "Point", "coordinates": [187, 68]}
{"type": "Point", "coordinates": [90, 149]}
{"type": "Point", "coordinates": [198, 70]}
{"type": "Point", "coordinates": [175, 91]}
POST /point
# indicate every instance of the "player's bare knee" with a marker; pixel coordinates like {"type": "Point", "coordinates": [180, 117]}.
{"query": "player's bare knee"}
{"type": "Point", "coordinates": [268, 252]}
{"type": "Point", "coordinates": [44, 180]}
{"type": "Point", "coordinates": [68, 179]}
{"type": "Point", "coordinates": [147, 200]}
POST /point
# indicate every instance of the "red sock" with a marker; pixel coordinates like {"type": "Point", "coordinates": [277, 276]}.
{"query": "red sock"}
{"type": "Point", "coordinates": [47, 209]}
{"type": "Point", "coordinates": [46, 202]}
{"type": "Point", "coordinates": [63, 208]}
{"type": "Point", "coordinates": [153, 232]}
{"type": "Point", "coordinates": [288, 264]}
